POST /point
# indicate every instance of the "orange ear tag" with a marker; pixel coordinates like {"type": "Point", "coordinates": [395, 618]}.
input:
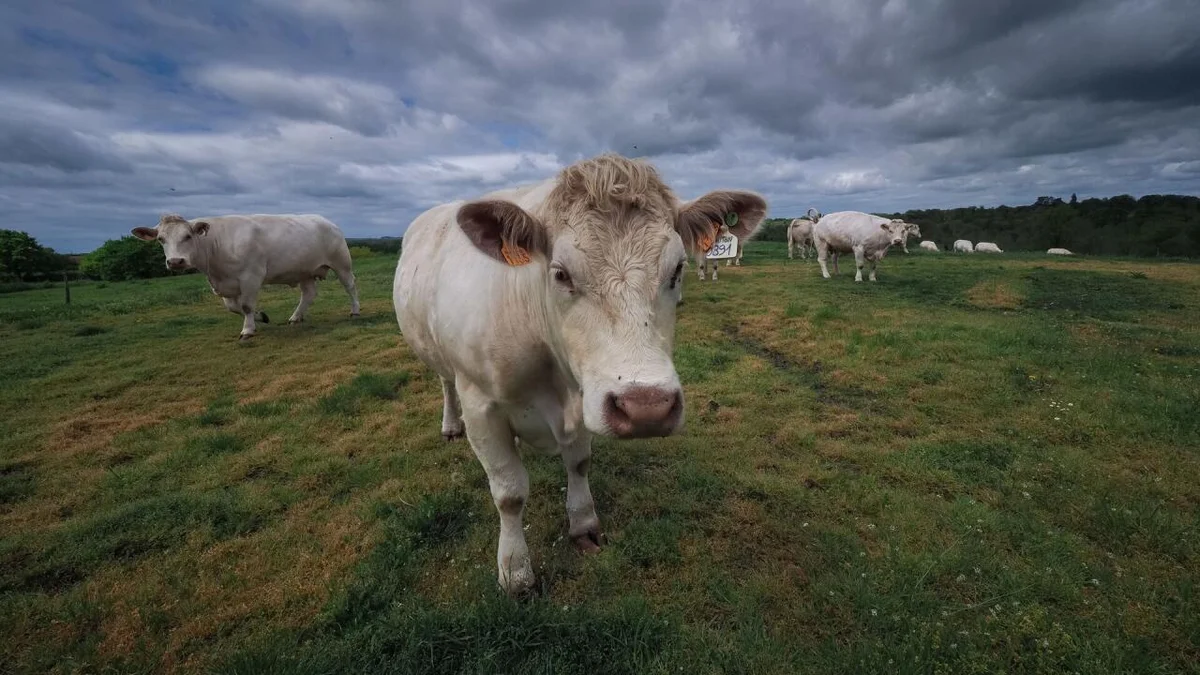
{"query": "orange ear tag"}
{"type": "Point", "coordinates": [514, 255]}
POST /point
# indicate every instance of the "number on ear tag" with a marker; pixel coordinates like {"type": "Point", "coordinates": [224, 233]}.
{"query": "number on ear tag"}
{"type": "Point", "coordinates": [513, 255]}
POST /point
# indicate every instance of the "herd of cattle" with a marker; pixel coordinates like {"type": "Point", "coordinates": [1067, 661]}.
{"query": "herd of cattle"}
{"type": "Point", "coordinates": [547, 311]}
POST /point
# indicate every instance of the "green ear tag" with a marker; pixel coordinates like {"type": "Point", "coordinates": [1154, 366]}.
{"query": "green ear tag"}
{"type": "Point", "coordinates": [731, 219]}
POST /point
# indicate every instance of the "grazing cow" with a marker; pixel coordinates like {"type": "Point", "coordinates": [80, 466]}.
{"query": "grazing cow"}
{"type": "Point", "coordinates": [987, 247]}
{"type": "Point", "coordinates": [963, 246]}
{"type": "Point", "coordinates": [241, 253]}
{"type": "Point", "coordinates": [548, 312]}
{"type": "Point", "coordinates": [867, 236]}
{"type": "Point", "coordinates": [1059, 251]}
{"type": "Point", "coordinates": [927, 245]}
{"type": "Point", "coordinates": [800, 232]}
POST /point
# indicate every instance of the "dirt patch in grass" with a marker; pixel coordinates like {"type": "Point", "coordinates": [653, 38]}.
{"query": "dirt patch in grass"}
{"type": "Point", "coordinates": [993, 294]}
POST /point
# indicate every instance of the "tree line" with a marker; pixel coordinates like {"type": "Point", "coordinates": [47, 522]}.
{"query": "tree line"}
{"type": "Point", "coordinates": [1152, 226]}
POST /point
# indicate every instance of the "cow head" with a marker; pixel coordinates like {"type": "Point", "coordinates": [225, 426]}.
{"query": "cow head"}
{"type": "Point", "coordinates": [896, 229]}
{"type": "Point", "coordinates": [179, 239]}
{"type": "Point", "coordinates": [609, 245]}
{"type": "Point", "coordinates": [813, 215]}
{"type": "Point", "coordinates": [912, 230]}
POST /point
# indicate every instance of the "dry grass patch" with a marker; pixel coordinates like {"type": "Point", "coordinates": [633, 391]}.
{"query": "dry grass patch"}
{"type": "Point", "coordinates": [994, 294]}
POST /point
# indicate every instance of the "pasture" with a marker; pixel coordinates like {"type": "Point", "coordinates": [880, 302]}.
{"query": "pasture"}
{"type": "Point", "coordinates": [979, 464]}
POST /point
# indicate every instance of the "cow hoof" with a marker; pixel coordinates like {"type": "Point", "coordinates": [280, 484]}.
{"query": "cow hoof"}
{"type": "Point", "coordinates": [354, 315]}
{"type": "Point", "coordinates": [244, 337]}
{"type": "Point", "coordinates": [295, 321]}
{"type": "Point", "coordinates": [451, 436]}
{"type": "Point", "coordinates": [519, 583]}
{"type": "Point", "coordinates": [588, 542]}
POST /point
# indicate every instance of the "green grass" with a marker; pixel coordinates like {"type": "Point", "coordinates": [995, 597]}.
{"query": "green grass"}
{"type": "Point", "coordinates": [975, 465]}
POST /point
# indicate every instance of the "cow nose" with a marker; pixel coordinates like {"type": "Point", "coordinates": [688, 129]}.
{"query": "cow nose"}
{"type": "Point", "coordinates": [175, 263]}
{"type": "Point", "coordinates": [640, 412]}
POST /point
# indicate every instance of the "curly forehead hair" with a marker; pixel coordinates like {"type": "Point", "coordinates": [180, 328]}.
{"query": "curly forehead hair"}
{"type": "Point", "coordinates": [171, 218]}
{"type": "Point", "coordinates": [609, 184]}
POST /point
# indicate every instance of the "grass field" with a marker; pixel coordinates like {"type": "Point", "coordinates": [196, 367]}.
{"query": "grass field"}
{"type": "Point", "coordinates": [980, 464]}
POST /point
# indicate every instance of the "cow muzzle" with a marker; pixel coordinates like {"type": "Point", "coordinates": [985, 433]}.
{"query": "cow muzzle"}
{"type": "Point", "coordinates": [643, 412]}
{"type": "Point", "coordinates": [176, 263]}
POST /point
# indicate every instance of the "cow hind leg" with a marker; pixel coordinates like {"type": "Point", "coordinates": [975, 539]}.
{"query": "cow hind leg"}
{"type": "Point", "coordinates": [874, 262]}
{"type": "Point", "coordinates": [452, 423]}
{"type": "Point", "coordinates": [584, 527]}
{"type": "Point", "coordinates": [346, 276]}
{"type": "Point", "coordinates": [492, 440]}
{"type": "Point", "coordinates": [859, 261]}
{"type": "Point", "coordinates": [822, 255]}
{"type": "Point", "coordinates": [308, 293]}
{"type": "Point", "coordinates": [246, 303]}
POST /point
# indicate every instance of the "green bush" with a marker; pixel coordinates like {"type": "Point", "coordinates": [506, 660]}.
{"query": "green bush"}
{"type": "Point", "coordinates": [22, 258]}
{"type": "Point", "coordinates": [124, 259]}
{"type": "Point", "coordinates": [360, 252]}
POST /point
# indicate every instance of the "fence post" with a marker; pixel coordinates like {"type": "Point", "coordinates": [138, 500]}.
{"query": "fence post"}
{"type": "Point", "coordinates": [67, 286]}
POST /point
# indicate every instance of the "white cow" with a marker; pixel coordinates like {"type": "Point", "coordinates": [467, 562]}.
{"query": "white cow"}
{"type": "Point", "coordinates": [800, 232]}
{"type": "Point", "coordinates": [927, 245]}
{"type": "Point", "coordinates": [240, 253]}
{"type": "Point", "coordinates": [1059, 251]}
{"type": "Point", "coordinates": [863, 234]}
{"type": "Point", "coordinates": [701, 252]}
{"type": "Point", "coordinates": [963, 246]}
{"type": "Point", "coordinates": [910, 230]}
{"type": "Point", "coordinates": [987, 247]}
{"type": "Point", "coordinates": [548, 312]}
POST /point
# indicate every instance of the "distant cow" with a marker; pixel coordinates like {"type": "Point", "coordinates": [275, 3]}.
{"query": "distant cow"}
{"type": "Point", "coordinates": [239, 254]}
{"type": "Point", "coordinates": [963, 246]}
{"type": "Point", "coordinates": [910, 230]}
{"type": "Point", "coordinates": [548, 312]}
{"type": "Point", "coordinates": [927, 245]}
{"type": "Point", "coordinates": [1059, 251]}
{"type": "Point", "coordinates": [987, 247]}
{"type": "Point", "coordinates": [799, 232]}
{"type": "Point", "coordinates": [701, 252]}
{"type": "Point", "coordinates": [867, 236]}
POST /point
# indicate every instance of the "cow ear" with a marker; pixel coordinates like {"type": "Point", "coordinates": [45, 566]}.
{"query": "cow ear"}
{"type": "Point", "coordinates": [504, 231]}
{"type": "Point", "coordinates": [200, 228]}
{"type": "Point", "coordinates": [145, 233]}
{"type": "Point", "coordinates": [743, 212]}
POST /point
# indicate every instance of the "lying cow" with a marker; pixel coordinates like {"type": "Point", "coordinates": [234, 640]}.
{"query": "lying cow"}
{"type": "Point", "coordinates": [548, 312]}
{"type": "Point", "coordinates": [868, 237]}
{"type": "Point", "coordinates": [963, 246]}
{"type": "Point", "coordinates": [987, 247]}
{"type": "Point", "coordinates": [799, 232]}
{"type": "Point", "coordinates": [927, 245]}
{"type": "Point", "coordinates": [239, 254]}
{"type": "Point", "coordinates": [1058, 251]}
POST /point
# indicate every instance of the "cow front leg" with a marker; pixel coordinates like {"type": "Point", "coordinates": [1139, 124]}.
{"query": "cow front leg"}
{"type": "Point", "coordinates": [491, 439]}
{"type": "Point", "coordinates": [874, 262]}
{"type": "Point", "coordinates": [859, 261]}
{"type": "Point", "coordinates": [247, 302]}
{"type": "Point", "coordinates": [308, 293]}
{"type": "Point", "coordinates": [584, 527]}
{"type": "Point", "coordinates": [452, 423]}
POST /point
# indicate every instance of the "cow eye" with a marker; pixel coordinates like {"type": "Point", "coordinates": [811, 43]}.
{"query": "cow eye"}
{"type": "Point", "coordinates": [675, 276]}
{"type": "Point", "coordinates": [187, 237]}
{"type": "Point", "coordinates": [561, 276]}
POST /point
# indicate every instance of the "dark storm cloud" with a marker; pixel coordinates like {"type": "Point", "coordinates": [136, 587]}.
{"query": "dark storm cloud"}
{"type": "Point", "coordinates": [371, 110]}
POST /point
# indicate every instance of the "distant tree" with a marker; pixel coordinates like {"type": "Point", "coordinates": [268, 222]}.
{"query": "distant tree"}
{"type": "Point", "coordinates": [124, 259]}
{"type": "Point", "coordinates": [23, 258]}
{"type": "Point", "coordinates": [1074, 199]}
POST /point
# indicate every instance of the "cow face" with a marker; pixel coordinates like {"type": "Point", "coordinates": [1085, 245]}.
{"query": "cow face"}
{"type": "Point", "coordinates": [179, 238]}
{"type": "Point", "coordinates": [912, 230]}
{"type": "Point", "coordinates": [611, 261]}
{"type": "Point", "coordinates": [896, 229]}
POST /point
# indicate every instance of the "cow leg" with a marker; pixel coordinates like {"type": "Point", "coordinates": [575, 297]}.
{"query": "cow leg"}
{"type": "Point", "coordinates": [247, 301]}
{"type": "Point", "coordinates": [738, 260]}
{"type": "Point", "coordinates": [859, 260]}
{"type": "Point", "coordinates": [452, 423]}
{"type": "Point", "coordinates": [581, 509]}
{"type": "Point", "coordinates": [790, 247]}
{"type": "Point", "coordinates": [715, 265]}
{"type": "Point", "coordinates": [701, 262]}
{"type": "Point", "coordinates": [308, 293]}
{"type": "Point", "coordinates": [492, 440]}
{"type": "Point", "coordinates": [874, 262]}
{"type": "Point", "coordinates": [346, 277]}
{"type": "Point", "coordinates": [822, 255]}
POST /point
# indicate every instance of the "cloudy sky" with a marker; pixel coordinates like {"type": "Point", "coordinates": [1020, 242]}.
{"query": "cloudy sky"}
{"type": "Point", "coordinates": [369, 111]}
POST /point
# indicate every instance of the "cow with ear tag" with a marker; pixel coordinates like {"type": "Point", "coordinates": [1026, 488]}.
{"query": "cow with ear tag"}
{"type": "Point", "coordinates": [548, 313]}
{"type": "Point", "coordinates": [238, 254]}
